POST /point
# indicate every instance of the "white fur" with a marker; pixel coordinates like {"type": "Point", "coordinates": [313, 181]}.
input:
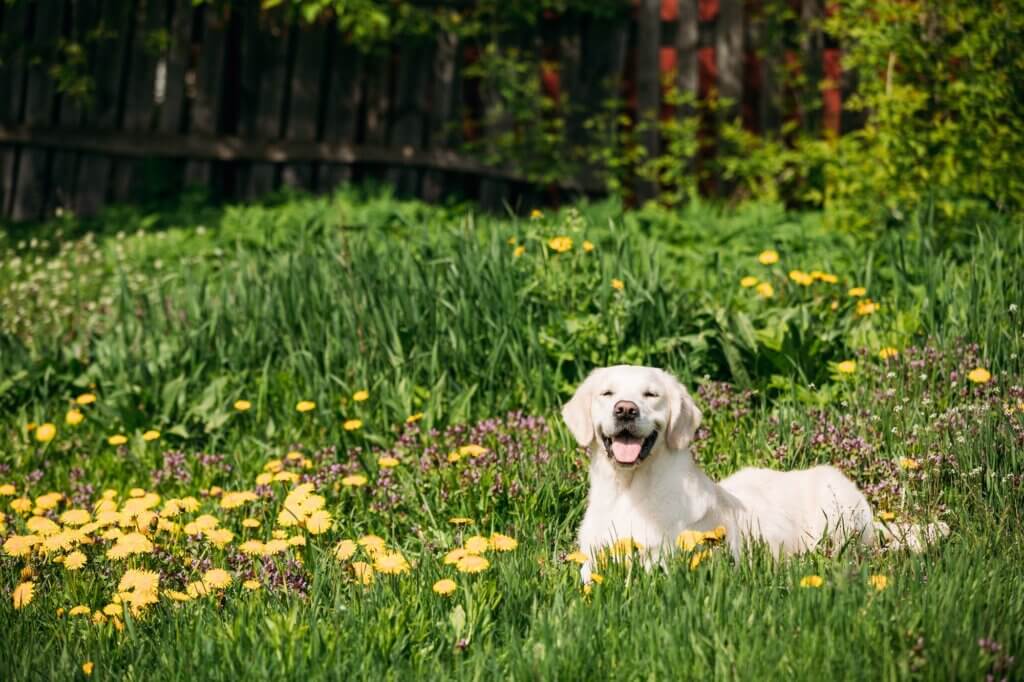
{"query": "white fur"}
{"type": "Point", "coordinates": [654, 500]}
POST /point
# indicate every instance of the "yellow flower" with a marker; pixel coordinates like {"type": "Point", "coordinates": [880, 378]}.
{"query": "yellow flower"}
{"type": "Point", "coordinates": [886, 515]}
{"type": "Point", "coordinates": [768, 257]}
{"type": "Point", "coordinates": [698, 557]}
{"type": "Point", "coordinates": [387, 462]}
{"type": "Point", "coordinates": [825, 277]}
{"type": "Point", "coordinates": [175, 595]}
{"type": "Point", "coordinates": [319, 522]}
{"type": "Point", "coordinates": [689, 539]}
{"type": "Point", "coordinates": [503, 543]}
{"type": "Point", "coordinates": [888, 352]}
{"type": "Point", "coordinates": [846, 367]}
{"type": "Point", "coordinates": [251, 584]}
{"type": "Point", "coordinates": [812, 581]}
{"type": "Point", "coordinates": [73, 417]}
{"type": "Point", "coordinates": [576, 557]}
{"type": "Point", "coordinates": [46, 432]}
{"type": "Point", "coordinates": [454, 457]}
{"type": "Point", "coordinates": [866, 307]}
{"type": "Point", "coordinates": [74, 561]}
{"type": "Point", "coordinates": [152, 434]}
{"type": "Point", "coordinates": [472, 450]}
{"type": "Point", "coordinates": [305, 405]}
{"type": "Point", "coordinates": [86, 399]}
{"type": "Point", "coordinates": [454, 556]}
{"type": "Point", "coordinates": [23, 594]}
{"type": "Point", "coordinates": [363, 571]}
{"type": "Point", "coordinates": [80, 610]}
{"type": "Point", "coordinates": [472, 563]}
{"type": "Point", "coordinates": [765, 290]}
{"type": "Point", "coordinates": [857, 292]}
{"type": "Point", "coordinates": [117, 439]}
{"type": "Point", "coordinates": [250, 523]}
{"type": "Point", "coordinates": [536, 214]}
{"type": "Point", "coordinates": [588, 246]}
{"type": "Point", "coordinates": [360, 396]}
{"type": "Point", "coordinates": [87, 668]}
{"type": "Point", "coordinates": [20, 545]}
{"type": "Point", "coordinates": [235, 499]}
{"type": "Point", "coordinates": [909, 464]}
{"type": "Point", "coordinates": [801, 277]}
{"type": "Point", "coordinates": [355, 480]}
{"type": "Point", "coordinates": [748, 282]}
{"type": "Point", "coordinates": [978, 375]}
{"type": "Point", "coordinates": [217, 578]}
{"type": "Point", "coordinates": [460, 520]}
{"type": "Point", "coordinates": [560, 244]}
{"type": "Point", "coordinates": [8, 489]}
{"type": "Point", "coordinates": [242, 405]}
{"type": "Point", "coordinates": [128, 544]}
{"type": "Point", "coordinates": [476, 545]}
{"type": "Point", "coordinates": [618, 284]}
{"type": "Point", "coordinates": [444, 586]}
{"type": "Point", "coordinates": [353, 424]}
{"type": "Point", "coordinates": [879, 582]}
{"type": "Point", "coordinates": [22, 505]}
{"type": "Point", "coordinates": [518, 251]}
{"type": "Point", "coordinates": [413, 418]}
{"type": "Point", "coordinates": [344, 550]}
{"type": "Point", "coordinates": [392, 563]}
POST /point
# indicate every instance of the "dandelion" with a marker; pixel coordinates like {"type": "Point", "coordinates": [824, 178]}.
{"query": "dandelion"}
{"type": "Point", "coordinates": [698, 557]}
{"type": "Point", "coordinates": [846, 367]}
{"type": "Point", "coordinates": [242, 405]}
{"type": "Point", "coordinates": [80, 610]}
{"type": "Point", "coordinates": [536, 214]}
{"type": "Point", "coordinates": [444, 586]}
{"type": "Point", "coordinates": [825, 277]}
{"type": "Point", "coordinates": [978, 375]}
{"type": "Point", "coordinates": [373, 544]}
{"type": "Point", "coordinates": [129, 544]}
{"type": "Point", "coordinates": [23, 594]}
{"type": "Point", "coordinates": [363, 571]}
{"type": "Point", "coordinates": [46, 432]}
{"type": "Point", "coordinates": [866, 307]}
{"type": "Point", "coordinates": [618, 284]}
{"type": "Point", "coordinates": [352, 424]}
{"type": "Point", "coordinates": [857, 292]}
{"type": "Point", "coordinates": [518, 251]}
{"type": "Point", "coordinates": [87, 668]}
{"type": "Point", "coordinates": [413, 418]}
{"type": "Point", "coordinates": [8, 490]}
{"type": "Point", "coordinates": [472, 564]}
{"type": "Point", "coordinates": [588, 246]}
{"type": "Point", "coordinates": [560, 244]}
{"type": "Point", "coordinates": [74, 561]}
{"type": "Point", "coordinates": [460, 520]}
{"type": "Point", "coordinates": [319, 522]}
{"type": "Point", "coordinates": [360, 396]}
{"type": "Point", "coordinates": [150, 435]}
{"type": "Point", "coordinates": [344, 550]}
{"type": "Point", "coordinates": [502, 543]}
{"type": "Point", "coordinates": [768, 257]}
{"type": "Point", "coordinates": [888, 352]}
{"type": "Point", "coordinates": [86, 399]}
{"type": "Point", "coordinates": [251, 585]}
{"type": "Point", "coordinates": [73, 417]}
{"type": "Point", "coordinates": [689, 539]}
{"type": "Point", "coordinates": [391, 563]}
{"type": "Point", "coordinates": [454, 556]}
{"type": "Point", "coordinates": [812, 581]}
{"type": "Point", "coordinates": [251, 523]}
{"type": "Point", "coordinates": [879, 582]}
{"type": "Point", "coordinates": [217, 578]}
{"type": "Point", "coordinates": [117, 439]}
{"type": "Point", "coordinates": [748, 282]}
{"type": "Point", "coordinates": [387, 462]}
{"type": "Point", "coordinates": [20, 545]}
{"type": "Point", "coordinates": [476, 545]}
{"type": "Point", "coordinates": [354, 481]}
{"type": "Point", "coordinates": [577, 557]}
{"type": "Point", "coordinates": [472, 450]}
{"type": "Point", "coordinates": [454, 457]}
{"type": "Point", "coordinates": [75, 517]}
{"type": "Point", "coordinates": [801, 277]}
{"type": "Point", "coordinates": [909, 464]}
{"type": "Point", "coordinates": [305, 405]}
{"type": "Point", "coordinates": [765, 290]}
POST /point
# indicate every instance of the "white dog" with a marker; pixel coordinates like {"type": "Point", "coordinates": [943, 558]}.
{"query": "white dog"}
{"type": "Point", "coordinates": [637, 423]}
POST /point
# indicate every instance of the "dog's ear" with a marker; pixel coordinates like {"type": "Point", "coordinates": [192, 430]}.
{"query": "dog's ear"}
{"type": "Point", "coordinates": [576, 412]}
{"type": "Point", "coordinates": [685, 415]}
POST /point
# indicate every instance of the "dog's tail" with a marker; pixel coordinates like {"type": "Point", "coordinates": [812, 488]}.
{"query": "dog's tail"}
{"type": "Point", "coordinates": [910, 536]}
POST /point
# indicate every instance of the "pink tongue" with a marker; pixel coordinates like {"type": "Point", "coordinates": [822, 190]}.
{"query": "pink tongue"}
{"type": "Point", "coordinates": [626, 452]}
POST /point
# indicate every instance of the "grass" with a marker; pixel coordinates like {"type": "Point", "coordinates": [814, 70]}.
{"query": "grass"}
{"type": "Point", "coordinates": [170, 318]}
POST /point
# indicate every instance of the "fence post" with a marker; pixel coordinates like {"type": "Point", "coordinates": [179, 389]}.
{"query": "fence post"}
{"type": "Point", "coordinates": [648, 86]}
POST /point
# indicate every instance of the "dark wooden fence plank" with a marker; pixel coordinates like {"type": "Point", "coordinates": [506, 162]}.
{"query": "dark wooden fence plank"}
{"type": "Point", "coordinates": [729, 54]}
{"type": "Point", "coordinates": [176, 61]}
{"type": "Point", "coordinates": [415, 62]}
{"type": "Point", "coordinates": [811, 47]}
{"type": "Point", "coordinates": [93, 181]}
{"type": "Point", "coordinates": [341, 113]}
{"type": "Point", "coordinates": [444, 111]}
{"type": "Point", "coordinates": [206, 106]}
{"type": "Point", "coordinates": [40, 98]}
{"type": "Point", "coordinates": [12, 78]}
{"type": "Point", "coordinates": [304, 103]}
{"type": "Point", "coordinates": [648, 84]}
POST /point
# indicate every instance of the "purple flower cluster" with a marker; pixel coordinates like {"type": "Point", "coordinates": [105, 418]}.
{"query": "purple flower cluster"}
{"type": "Point", "coordinates": [175, 469]}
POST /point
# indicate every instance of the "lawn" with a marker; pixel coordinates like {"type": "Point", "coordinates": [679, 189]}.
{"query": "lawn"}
{"type": "Point", "coordinates": [319, 438]}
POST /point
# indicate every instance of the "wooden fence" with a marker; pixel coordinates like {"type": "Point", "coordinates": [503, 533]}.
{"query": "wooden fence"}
{"type": "Point", "coordinates": [243, 101]}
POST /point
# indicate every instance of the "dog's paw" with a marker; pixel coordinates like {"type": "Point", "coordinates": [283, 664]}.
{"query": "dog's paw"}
{"type": "Point", "coordinates": [585, 573]}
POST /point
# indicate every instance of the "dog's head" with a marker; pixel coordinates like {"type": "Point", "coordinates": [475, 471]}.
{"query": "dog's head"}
{"type": "Point", "coordinates": [630, 413]}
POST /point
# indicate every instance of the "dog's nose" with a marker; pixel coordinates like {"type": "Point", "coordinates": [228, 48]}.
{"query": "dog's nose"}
{"type": "Point", "coordinates": [625, 409]}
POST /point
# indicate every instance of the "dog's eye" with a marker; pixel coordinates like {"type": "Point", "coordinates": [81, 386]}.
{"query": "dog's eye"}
{"type": "Point", "coordinates": [607, 394]}
{"type": "Point", "coordinates": [650, 394]}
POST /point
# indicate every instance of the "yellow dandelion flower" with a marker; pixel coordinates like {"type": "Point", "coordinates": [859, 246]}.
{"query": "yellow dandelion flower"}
{"type": "Point", "coordinates": [979, 375]}
{"type": "Point", "coordinates": [118, 439]}
{"type": "Point", "coordinates": [251, 585]}
{"type": "Point", "coordinates": [472, 450]}
{"type": "Point", "coordinates": [812, 581]}
{"type": "Point", "coordinates": [748, 282]}
{"type": "Point", "coordinates": [460, 520]}
{"type": "Point", "coordinates": [360, 396]}
{"type": "Point", "coordinates": [886, 515]}
{"type": "Point", "coordinates": [217, 578]}
{"type": "Point", "coordinates": [588, 246]}
{"type": "Point", "coordinates": [392, 563]}
{"type": "Point", "coordinates": [352, 424]}
{"type": "Point", "coordinates": [866, 307]}
{"type": "Point", "coordinates": [387, 462]}
{"type": "Point", "coordinates": [251, 523]}
{"type": "Point", "coordinates": [150, 435]}
{"type": "Point", "coordinates": [698, 557]}
{"type": "Point", "coordinates": [73, 417]}
{"type": "Point", "coordinates": [196, 589]}
{"type": "Point", "coordinates": [74, 561]}
{"type": "Point", "coordinates": [413, 418]}
{"type": "Point", "coordinates": [472, 563]}
{"type": "Point", "coordinates": [80, 610]}
{"type": "Point", "coordinates": [305, 405]}
{"type": "Point", "coordinates": [560, 244]}
{"type": "Point", "coordinates": [23, 594]}
{"type": "Point", "coordinates": [825, 277]}
{"type": "Point", "coordinates": [618, 284]}
{"type": "Point", "coordinates": [319, 522]}
{"type": "Point", "coordinates": [502, 543]}
{"type": "Point", "coordinates": [445, 586]}
{"type": "Point", "coordinates": [536, 214]}
{"type": "Point", "coordinates": [518, 251]}
{"type": "Point", "coordinates": [888, 352]}
{"type": "Point", "coordinates": [175, 595]}
{"type": "Point", "coordinates": [879, 582]}
{"type": "Point", "coordinates": [354, 480]}
{"type": "Point", "coordinates": [8, 490]}
{"type": "Point", "coordinates": [344, 550]}
{"type": "Point", "coordinates": [577, 557]}
{"type": "Point", "coordinates": [235, 499]}
{"type": "Point", "coordinates": [373, 544]}
{"type": "Point", "coordinates": [87, 668]}
{"type": "Point", "coordinates": [46, 432]}
{"type": "Point", "coordinates": [454, 457]}
{"type": "Point", "coordinates": [768, 257]}
{"type": "Point", "coordinates": [86, 399]}
{"type": "Point", "coordinates": [476, 545]}
{"type": "Point", "coordinates": [242, 405]}
{"type": "Point", "coordinates": [689, 539]}
{"type": "Point", "coordinates": [220, 537]}
{"type": "Point", "coordinates": [22, 505]}
{"type": "Point", "coordinates": [846, 367]}
{"type": "Point", "coordinates": [765, 290]}
{"type": "Point", "coordinates": [857, 292]}
{"type": "Point", "coordinates": [363, 572]}
{"type": "Point", "coordinates": [801, 277]}
{"type": "Point", "coordinates": [455, 555]}
{"type": "Point", "coordinates": [909, 463]}
{"type": "Point", "coordinates": [41, 525]}
{"type": "Point", "coordinates": [129, 544]}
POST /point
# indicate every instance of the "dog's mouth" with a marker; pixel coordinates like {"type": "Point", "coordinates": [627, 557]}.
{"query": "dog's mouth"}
{"type": "Point", "coordinates": [627, 449]}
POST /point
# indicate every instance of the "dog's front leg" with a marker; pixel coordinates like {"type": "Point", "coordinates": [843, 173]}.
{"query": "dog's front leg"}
{"type": "Point", "coordinates": [585, 572]}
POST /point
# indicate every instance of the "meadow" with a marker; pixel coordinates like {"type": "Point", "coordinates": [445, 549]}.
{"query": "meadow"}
{"type": "Point", "coordinates": [318, 438]}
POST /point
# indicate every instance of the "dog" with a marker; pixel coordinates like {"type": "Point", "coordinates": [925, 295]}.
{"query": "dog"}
{"type": "Point", "coordinates": [645, 488]}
